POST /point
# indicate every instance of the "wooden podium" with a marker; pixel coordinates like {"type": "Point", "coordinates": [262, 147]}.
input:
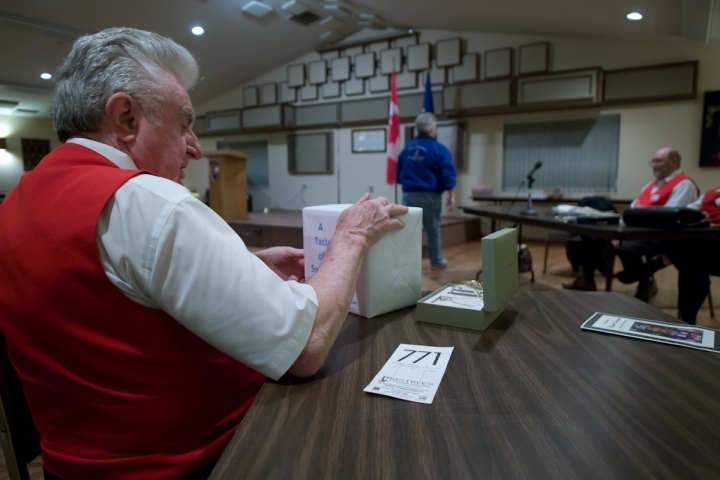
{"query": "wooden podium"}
{"type": "Point", "coordinates": [228, 183]}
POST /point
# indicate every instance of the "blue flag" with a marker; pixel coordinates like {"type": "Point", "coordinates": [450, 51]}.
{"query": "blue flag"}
{"type": "Point", "coordinates": [428, 106]}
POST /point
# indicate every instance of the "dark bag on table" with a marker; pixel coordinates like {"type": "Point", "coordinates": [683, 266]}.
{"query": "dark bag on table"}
{"type": "Point", "coordinates": [663, 217]}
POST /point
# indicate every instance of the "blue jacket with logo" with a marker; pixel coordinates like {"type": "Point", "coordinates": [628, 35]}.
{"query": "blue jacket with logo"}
{"type": "Point", "coordinates": [425, 165]}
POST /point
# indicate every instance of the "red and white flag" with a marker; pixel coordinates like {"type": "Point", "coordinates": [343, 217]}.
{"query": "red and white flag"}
{"type": "Point", "coordinates": [393, 133]}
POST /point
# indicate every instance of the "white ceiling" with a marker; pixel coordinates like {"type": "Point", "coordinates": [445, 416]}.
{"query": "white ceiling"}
{"type": "Point", "coordinates": [35, 35]}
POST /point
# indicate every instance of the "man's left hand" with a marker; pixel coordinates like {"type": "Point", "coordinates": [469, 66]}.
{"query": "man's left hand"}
{"type": "Point", "coordinates": [287, 262]}
{"type": "Point", "coordinates": [451, 202]}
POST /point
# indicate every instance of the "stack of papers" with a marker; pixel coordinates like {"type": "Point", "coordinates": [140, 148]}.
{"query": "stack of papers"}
{"type": "Point", "coordinates": [583, 212]}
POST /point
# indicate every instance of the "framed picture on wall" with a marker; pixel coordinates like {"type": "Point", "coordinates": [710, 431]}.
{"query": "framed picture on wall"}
{"type": "Point", "coordinates": [710, 140]}
{"type": "Point", "coordinates": [369, 141]}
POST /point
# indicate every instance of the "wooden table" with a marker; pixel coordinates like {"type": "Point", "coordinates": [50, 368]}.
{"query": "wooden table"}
{"type": "Point", "coordinates": [497, 200]}
{"type": "Point", "coordinates": [531, 397]}
{"type": "Point", "coordinates": [546, 218]}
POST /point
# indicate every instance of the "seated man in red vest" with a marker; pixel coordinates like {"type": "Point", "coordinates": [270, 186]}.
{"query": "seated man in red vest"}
{"type": "Point", "coordinates": [140, 325]}
{"type": "Point", "coordinates": [696, 260]}
{"type": "Point", "coordinates": [671, 188]}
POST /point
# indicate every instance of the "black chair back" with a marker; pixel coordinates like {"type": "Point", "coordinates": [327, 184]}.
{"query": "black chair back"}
{"type": "Point", "coordinates": [598, 203]}
{"type": "Point", "coordinates": [20, 440]}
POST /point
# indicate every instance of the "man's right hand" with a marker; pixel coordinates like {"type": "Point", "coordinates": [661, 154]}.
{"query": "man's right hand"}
{"type": "Point", "coordinates": [370, 220]}
{"type": "Point", "coordinates": [359, 227]}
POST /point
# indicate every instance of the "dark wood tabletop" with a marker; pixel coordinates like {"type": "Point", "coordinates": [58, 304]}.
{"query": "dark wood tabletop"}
{"type": "Point", "coordinates": [546, 218]}
{"type": "Point", "coordinates": [531, 397]}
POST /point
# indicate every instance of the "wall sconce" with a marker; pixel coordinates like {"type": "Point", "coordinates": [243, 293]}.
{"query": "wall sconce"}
{"type": "Point", "coordinates": [3, 143]}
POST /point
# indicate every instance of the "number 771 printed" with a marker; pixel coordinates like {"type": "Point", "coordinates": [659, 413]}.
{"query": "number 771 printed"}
{"type": "Point", "coordinates": [412, 373]}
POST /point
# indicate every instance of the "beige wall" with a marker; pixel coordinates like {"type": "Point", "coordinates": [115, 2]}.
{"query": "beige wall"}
{"type": "Point", "coordinates": [643, 128]}
{"type": "Point", "coordinates": [14, 128]}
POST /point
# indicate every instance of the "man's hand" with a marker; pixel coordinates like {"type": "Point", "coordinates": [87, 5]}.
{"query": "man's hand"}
{"type": "Point", "coordinates": [451, 199]}
{"type": "Point", "coordinates": [358, 228]}
{"type": "Point", "coordinates": [370, 220]}
{"type": "Point", "coordinates": [287, 262]}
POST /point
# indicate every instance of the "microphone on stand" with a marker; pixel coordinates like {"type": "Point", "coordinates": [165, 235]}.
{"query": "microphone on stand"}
{"type": "Point", "coordinates": [535, 169]}
{"type": "Point", "coordinates": [530, 180]}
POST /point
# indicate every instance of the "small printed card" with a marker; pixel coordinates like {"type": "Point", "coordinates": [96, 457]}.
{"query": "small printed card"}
{"type": "Point", "coordinates": [680, 334]}
{"type": "Point", "coordinates": [459, 296]}
{"type": "Point", "coordinates": [413, 373]}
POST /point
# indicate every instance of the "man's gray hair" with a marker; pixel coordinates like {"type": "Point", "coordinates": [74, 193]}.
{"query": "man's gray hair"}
{"type": "Point", "coordinates": [116, 60]}
{"type": "Point", "coordinates": [674, 155]}
{"type": "Point", "coordinates": [425, 122]}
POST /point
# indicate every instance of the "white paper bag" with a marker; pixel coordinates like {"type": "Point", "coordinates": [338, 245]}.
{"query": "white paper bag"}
{"type": "Point", "coordinates": [391, 273]}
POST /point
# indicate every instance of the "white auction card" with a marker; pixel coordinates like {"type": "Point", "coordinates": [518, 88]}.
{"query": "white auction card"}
{"type": "Point", "coordinates": [413, 373]}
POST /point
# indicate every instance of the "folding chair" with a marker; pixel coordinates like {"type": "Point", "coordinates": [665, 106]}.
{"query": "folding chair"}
{"type": "Point", "coordinates": [19, 439]}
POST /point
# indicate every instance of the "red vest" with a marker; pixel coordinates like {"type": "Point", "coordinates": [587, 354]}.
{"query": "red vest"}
{"type": "Point", "coordinates": [116, 389]}
{"type": "Point", "coordinates": [710, 207]}
{"type": "Point", "coordinates": [662, 194]}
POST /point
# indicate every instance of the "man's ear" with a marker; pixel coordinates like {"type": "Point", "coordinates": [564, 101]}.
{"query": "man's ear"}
{"type": "Point", "coordinates": [123, 115]}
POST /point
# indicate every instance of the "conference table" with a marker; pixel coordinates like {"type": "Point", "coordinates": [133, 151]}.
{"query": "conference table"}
{"type": "Point", "coordinates": [533, 396]}
{"type": "Point", "coordinates": [499, 199]}
{"type": "Point", "coordinates": [546, 218]}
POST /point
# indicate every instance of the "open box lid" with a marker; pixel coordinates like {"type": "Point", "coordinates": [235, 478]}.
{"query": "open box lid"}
{"type": "Point", "coordinates": [500, 268]}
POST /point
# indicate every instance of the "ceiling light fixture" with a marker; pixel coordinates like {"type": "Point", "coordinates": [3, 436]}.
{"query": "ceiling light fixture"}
{"type": "Point", "coordinates": [334, 7]}
{"type": "Point", "coordinates": [634, 16]}
{"type": "Point", "coordinates": [257, 8]}
{"type": "Point", "coordinates": [331, 37]}
{"type": "Point", "coordinates": [197, 31]}
{"type": "Point", "coordinates": [295, 7]}
{"type": "Point", "coordinates": [45, 76]}
{"type": "Point", "coordinates": [332, 23]}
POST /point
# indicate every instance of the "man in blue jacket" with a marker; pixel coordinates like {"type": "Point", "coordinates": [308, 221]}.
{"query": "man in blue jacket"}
{"type": "Point", "coordinates": [425, 169]}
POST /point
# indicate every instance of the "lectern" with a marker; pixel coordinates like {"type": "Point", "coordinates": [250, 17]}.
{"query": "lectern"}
{"type": "Point", "coordinates": [228, 183]}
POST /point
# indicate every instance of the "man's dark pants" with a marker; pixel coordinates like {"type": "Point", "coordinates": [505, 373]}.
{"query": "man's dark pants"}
{"type": "Point", "coordinates": [696, 260]}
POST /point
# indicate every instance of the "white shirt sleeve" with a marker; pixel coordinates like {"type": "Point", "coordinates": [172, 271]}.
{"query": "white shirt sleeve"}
{"type": "Point", "coordinates": [682, 194]}
{"type": "Point", "coordinates": [164, 249]}
{"type": "Point", "coordinates": [696, 205]}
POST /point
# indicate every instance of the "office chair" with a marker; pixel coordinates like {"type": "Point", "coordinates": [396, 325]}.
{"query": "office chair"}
{"type": "Point", "coordinates": [19, 439]}
{"type": "Point", "coordinates": [566, 237]}
{"type": "Point", "coordinates": [710, 304]}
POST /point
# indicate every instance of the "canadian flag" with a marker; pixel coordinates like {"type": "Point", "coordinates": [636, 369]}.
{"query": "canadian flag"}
{"type": "Point", "coordinates": [393, 133]}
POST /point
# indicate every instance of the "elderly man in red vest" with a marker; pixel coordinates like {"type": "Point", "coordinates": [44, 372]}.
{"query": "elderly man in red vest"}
{"type": "Point", "coordinates": [671, 188]}
{"type": "Point", "coordinates": [139, 323]}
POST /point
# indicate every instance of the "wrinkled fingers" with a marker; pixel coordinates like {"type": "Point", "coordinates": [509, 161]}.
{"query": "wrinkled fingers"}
{"type": "Point", "coordinates": [395, 210]}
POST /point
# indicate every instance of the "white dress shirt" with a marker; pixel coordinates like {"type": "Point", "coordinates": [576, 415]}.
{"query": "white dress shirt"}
{"type": "Point", "coordinates": [165, 249]}
{"type": "Point", "coordinates": [682, 194]}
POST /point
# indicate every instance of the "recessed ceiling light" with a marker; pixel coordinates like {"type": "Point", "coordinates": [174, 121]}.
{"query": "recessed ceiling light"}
{"type": "Point", "coordinates": [197, 30]}
{"type": "Point", "coordinates": [294, 7]}
{"type": "Point", "coordinates": [634, 16]}
{"type": "Point", "coordinates": [45, 76]}
{"type": "Point", "coordinates": [331, 37]}
{"type": "Point", "coordinates": [257, 8]}
{"type": "Point", "coordinates": [331, 23]}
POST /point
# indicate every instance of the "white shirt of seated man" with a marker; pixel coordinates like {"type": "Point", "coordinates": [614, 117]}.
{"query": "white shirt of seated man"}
{"type": "Point", "coordinates": [180, 256]}
{"type": "Point", "coordinates": [165, 249]}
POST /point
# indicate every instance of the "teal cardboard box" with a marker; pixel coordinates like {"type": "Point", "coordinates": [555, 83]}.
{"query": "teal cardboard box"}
{"type": "Point", "coordinates": [466, 307]}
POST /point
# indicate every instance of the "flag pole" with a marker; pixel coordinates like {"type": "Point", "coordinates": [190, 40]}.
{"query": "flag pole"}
{"type": "Point", "coordinates": [393, 134]}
